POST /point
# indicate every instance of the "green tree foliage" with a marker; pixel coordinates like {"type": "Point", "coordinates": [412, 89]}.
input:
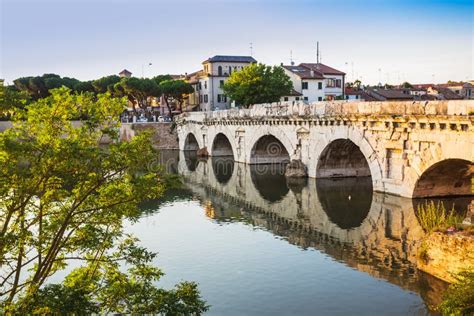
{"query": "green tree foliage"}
{"type": "Point", "coordinates": [357, 84]}
{"type": "Point", "coordinates": [63, 198]}
{"type": "Point", "coordinates": [258, 83]}
{"type": "Point", "coordinates": [406, 85]}
{"type": "Point", "coordinates": [38, 87]}
{"type": "Point", "coordinates": [84, 86]}
{"type": "Point", "coordinates": [138, 91]}
{"type": "Point", "coordinates": [459, 298]}
{"type": "Point", "coordinates": [11, 101]}
{"type": "Point", "coordinates": [175, 91]}
{"type": "Point", "coordinates": [105, 84]}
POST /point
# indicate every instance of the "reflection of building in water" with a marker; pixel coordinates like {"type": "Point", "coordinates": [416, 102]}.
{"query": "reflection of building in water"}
{"type": "Point", "coordinates": [371, 232]}
{"type": "Point", "coordinates": [209, 209]}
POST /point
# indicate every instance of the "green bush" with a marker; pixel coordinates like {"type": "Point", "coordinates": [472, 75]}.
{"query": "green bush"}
{"type": "Point", "coordinates": [423, 252]}
{"type": "Point", "coordinates": [434, 216]}
{"type": "Point", "coordinates": [459, 298]}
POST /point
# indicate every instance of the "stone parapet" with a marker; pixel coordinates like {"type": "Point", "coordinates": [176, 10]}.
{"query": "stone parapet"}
{"type": "Point", "coordinates": [341, 108]}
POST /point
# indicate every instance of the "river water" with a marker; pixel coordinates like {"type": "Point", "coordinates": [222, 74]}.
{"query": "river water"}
{"type": "Point", "coordinates": [259, 244]}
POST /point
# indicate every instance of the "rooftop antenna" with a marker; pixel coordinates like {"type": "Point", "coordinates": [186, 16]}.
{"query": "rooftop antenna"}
{"type": "Point", "coordinates": [291, 58]}
{"type": "Point", "coordinates": [251, 49]}
{"type": "Point", "coordinates": [317, 52]}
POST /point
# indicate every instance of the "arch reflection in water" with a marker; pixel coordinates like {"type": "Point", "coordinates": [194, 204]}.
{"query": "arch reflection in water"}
{"type": "Point", "coordinates": [346, 201]}
{"type": "Point", "coordinates": [191, 160]}
{"type": "Point", "coordinates": [190, 143]}
{"type": "Point", "coordinates": [223, 168]}
{"type": "Point", "coordinates": [310, 215]}
{"type": "Point", "coordinates": [270, 181]}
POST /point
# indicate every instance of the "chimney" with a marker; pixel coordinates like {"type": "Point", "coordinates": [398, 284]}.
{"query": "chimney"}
{"type": "Point", "coordinates": [281, 64]}
{"type": "Point", "coordinates": [311, 72]}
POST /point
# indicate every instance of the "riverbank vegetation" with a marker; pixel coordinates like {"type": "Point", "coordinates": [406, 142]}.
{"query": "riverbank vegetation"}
{"type": "Point", "coordinates": [434, 217]}
{"type": "Point", "coordinates": [63, 199]}
{"type": "Point", "coordinates": [459, 298]}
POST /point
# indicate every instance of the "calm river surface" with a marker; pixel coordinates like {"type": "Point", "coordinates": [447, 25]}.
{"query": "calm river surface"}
{"type": "Point", "coordinates": [260, 245]}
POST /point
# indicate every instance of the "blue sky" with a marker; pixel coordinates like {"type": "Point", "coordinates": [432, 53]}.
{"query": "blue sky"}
{"type": "Point", "coordinates": [417, 41]}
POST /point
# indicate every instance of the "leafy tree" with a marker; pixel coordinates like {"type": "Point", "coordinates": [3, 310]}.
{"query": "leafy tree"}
{"type": "Point", "coordinates": [38, 87]}
{"type": "Point", "coordinates": [63, 197]}
{"type": "Point", "coordinates": [258, 83]}
{"type": "Point", "coordinates": [83, 86]}
{"type": "Point", "coordinates": [11, 101]}
{"type": "Point", "coordinates": [138, 91]}
{"type": "Point", "coordinates": [407, 85]}
{"type": "Point", "coordinates": [357, 84]}
{"type": "Point", "coordinates": [175, 91]}
{"type": "Point", "coordinates": [105, 84]}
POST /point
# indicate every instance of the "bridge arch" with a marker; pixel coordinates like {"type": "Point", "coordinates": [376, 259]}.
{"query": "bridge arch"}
{"type": "Point", "coordinates": [448, 177]}
{"type": "Point", "coordinates": [191, 143]}
{"type": "Point", "coordinates": [221, 146]}
{"type": "Point", "coordinates": [269, 150]}
{"type": "Point", "coordinates": [342, 158]}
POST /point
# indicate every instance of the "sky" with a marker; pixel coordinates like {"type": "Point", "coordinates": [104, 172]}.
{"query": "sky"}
{"type": "Point", "coordinates": [371, 40]}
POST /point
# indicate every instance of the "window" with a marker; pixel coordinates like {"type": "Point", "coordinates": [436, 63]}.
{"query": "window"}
{"type": "Point", "coordinates": [330, 83]}
{"type": "Point", "coordinates": [200, 98]}
{"type": "Point", "coordinates": [285, 99]}
{"type": "Point", "coordinates": [221, 83]}
{"type": "Point", "coordinates": [338, 83]}
{"type": "Point", "coordinates": [320, 98]}
{"type": "Point", "coordinates": [306, 98]}
{"type": "Point", "coordinates": [230, 70]}
{"type": "Point", "coordinates": [199, 86]}
{"type": "Point", "coordinates": [205, 98]}
{"type": "Point", "coordinates": [297, 98]}
{"type": "Point", "coordinates": [221, 98]}
{"type": "Point", "coordinates": [219, 71]}
{"type": "Point", "coordinates": [304, 85]}
{"type": "Point", "coordinates": [320, 85]}
{"type": "Point", "coordinates": [205, 84]}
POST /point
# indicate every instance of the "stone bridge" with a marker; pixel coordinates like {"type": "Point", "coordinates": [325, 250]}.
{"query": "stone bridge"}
{"type": "Point", "coordinates": [410, 149]}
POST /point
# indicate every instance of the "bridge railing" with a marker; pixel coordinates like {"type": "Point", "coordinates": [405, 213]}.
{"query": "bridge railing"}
{"type": "Point", "coordinates": [338, 108]}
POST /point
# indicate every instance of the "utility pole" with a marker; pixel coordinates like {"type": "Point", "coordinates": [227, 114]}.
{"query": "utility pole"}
{"type": "Point", "coordinates": [251, 49]}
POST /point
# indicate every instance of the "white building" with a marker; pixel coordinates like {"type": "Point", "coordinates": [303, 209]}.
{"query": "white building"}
{"type": "Point", "coordinates": [316, 81]}
{"type": "Point", "coordinates": [209, 81]}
